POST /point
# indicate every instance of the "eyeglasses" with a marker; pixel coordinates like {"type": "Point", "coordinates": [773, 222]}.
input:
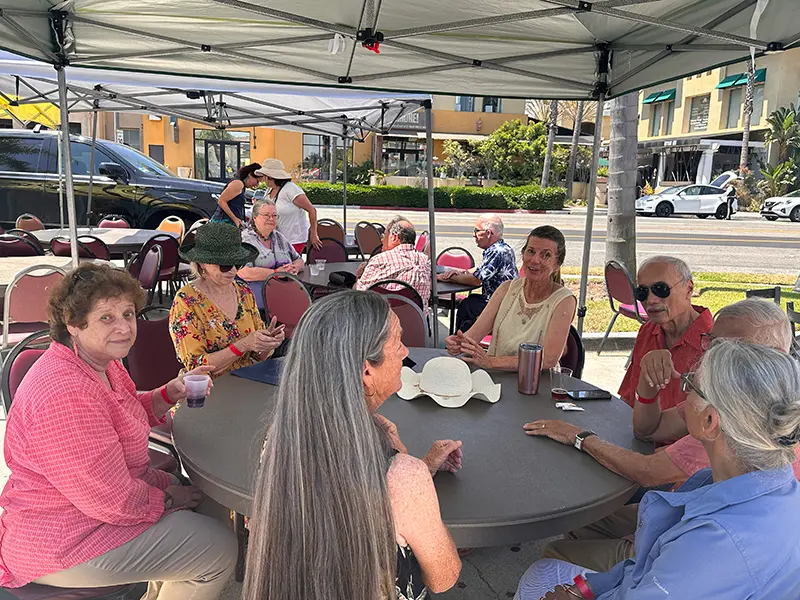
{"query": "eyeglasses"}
{"type": "Point", "coordinates": [687, 385]}
{"type": "Point", "coordinates": [476, 231]}
{"type": "Point", "coordinates": [226, 268]}
{"type": "Point", "coordinates": [660, 289]}
{"type": "Point", "coordinates": [706, 339]}
{"type": "Point", "coordinates": [269, 217]}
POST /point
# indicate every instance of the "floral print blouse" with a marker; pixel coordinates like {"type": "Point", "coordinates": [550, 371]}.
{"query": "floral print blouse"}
{"type": "Point", "coordinates": [199, 328]}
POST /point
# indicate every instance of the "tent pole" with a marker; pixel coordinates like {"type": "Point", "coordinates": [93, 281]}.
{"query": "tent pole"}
{"type": "Point", "coordinates": [587, 235]}
{"type": "Point", "coordinates": [91, 172]}
{"type": "Point", "coordinates": [60, 181]}
{"type": "Point", "coordinates": [65, 152]}
{"type": "Point", "coordinates": [344, 185]}
{"type": "Point", "coordinates": [431, 218]}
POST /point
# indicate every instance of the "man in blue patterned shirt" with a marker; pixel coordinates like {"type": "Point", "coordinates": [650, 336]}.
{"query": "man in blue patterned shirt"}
{"type": "Point", "coordinates": [499, 264]}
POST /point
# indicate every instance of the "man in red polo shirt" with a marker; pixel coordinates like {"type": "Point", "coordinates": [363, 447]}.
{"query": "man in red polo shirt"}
{"type": "Point", "coordinates": [670, 342]}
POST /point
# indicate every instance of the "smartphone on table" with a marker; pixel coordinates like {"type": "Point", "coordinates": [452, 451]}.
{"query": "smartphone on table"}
{"type": "Point", "coordinates": [589, 395]}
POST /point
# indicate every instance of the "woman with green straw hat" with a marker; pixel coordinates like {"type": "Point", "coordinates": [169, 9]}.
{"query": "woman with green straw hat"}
{"type": "Point", "coordinates": [214, 319]}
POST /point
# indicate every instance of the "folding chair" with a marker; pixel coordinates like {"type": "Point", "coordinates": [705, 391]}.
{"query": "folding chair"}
{"type": "Point", "coordinates": [25, 302]}
{"type": "Point", "coordinates": [620, 288]}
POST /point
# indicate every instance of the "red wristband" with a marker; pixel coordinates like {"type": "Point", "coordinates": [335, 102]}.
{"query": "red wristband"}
{"type": "Point", "coordinates": [646, 400]}
{"type": "Point", "coordinates": [235, 350]}
{"type": "Point", "coordinates": [165, 397]}
{"type": "Point", "coordinates": [583, 587]}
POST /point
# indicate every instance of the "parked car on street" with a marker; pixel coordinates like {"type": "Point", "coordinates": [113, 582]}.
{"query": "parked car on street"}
{"type": "Point", "coordinates": [786, 207]}
{"type": "Point", "coordinates": [125, 182]}
{"type": "Point", "coordinates": [700, 200]}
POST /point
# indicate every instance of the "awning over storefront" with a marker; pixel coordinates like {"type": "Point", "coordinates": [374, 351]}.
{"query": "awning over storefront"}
{"type": "Point", "coordinates": [760, 76]}
{"type": "Point", "coordinates": [661, 96]}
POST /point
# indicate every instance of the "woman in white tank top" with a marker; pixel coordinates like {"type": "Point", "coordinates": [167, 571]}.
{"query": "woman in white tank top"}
{"type": "Point", "coordinates": [535, 308]}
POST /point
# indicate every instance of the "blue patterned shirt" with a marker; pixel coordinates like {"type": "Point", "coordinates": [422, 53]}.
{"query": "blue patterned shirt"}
{"type": "Point", "coordinates": [499, 264]}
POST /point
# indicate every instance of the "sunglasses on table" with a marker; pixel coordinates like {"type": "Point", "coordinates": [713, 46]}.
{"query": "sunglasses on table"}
{"type": "Point", "coordinates": [226, 268]}
{"type": "Point", "coordinates": [687, 384]}
{"type": "Point", "coordinates": [660, 289]}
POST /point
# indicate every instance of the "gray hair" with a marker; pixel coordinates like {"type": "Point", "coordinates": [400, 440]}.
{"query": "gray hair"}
{"type": "Point", "coordinates": [322, 518]}
{"type": "Point", "coordinates": [492, 222]}
{"type": "Point", "coordinates": [260, 203]}
{"type": "Point", "coordinates": [756, 392]}
{"type": "Point", "coordinates": [772, 327]}
{"type": "Point", "coordinates": [681, 268]}
{"type": "Point", "coordinates": [403, 229]}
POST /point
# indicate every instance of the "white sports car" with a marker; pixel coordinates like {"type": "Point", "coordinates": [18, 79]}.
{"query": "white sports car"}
{"type": "Point", "coordinates": [787, 206]}
{"type": "Point", "coordinates": [697, 199]}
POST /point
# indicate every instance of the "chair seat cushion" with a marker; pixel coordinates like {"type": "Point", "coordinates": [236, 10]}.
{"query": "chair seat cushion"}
{"type": "Point", "coordinates": [628, 310]}
{"type": "Point", "coordinates": [34, 591]}
{"type": "Point", "coordinates": [162, 462]}
{"type": "Point", "coordinates": [486, 341]}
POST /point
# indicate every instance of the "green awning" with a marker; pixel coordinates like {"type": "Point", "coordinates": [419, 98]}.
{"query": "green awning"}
{"type": "Point", "coordinates": [666, 95]}
{"type": "Point", "coordinates": [760, 76]}
{"type": "Point", "coordinates": [729, 81]}
{"type": "Point", "coordinates": [651, 98]}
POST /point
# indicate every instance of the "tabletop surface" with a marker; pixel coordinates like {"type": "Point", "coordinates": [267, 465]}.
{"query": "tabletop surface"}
{"type": "Point", "coordinates": [321, 279]}
{"type": "Point", "coordinates": [11, 265]}
{"type": "Point", "coordinates": [112, 237]}
{"type": "Point", "coordinates": [512, 487]}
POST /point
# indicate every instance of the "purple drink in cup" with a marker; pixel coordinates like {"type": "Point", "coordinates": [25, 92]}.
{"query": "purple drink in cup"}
{"type": "Point", "coordinates": [196, 390]}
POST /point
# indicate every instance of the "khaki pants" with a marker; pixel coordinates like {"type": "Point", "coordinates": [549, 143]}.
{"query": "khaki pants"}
{"type": "Point", "coordinates": [184, 556]}
{"type": "Point", "coordinates": [598, 546]}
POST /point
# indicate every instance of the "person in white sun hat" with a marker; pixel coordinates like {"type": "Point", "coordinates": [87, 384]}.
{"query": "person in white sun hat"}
{"type": "Point", "coordinates": [297, 217]}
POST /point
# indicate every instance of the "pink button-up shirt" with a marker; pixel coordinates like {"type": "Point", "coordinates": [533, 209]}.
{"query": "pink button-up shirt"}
{"type": "Point", "coordinates": [80, 480]}
{"type": "Point", "coordinates": [402, 263]}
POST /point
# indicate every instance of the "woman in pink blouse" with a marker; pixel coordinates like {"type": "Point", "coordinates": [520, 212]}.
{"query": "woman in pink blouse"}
{"type": "Point", "coordinates": [82, 507]}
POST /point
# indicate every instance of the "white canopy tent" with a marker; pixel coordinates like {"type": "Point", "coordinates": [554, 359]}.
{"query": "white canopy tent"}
{"type": "Point", "coordinates": [565, 49]}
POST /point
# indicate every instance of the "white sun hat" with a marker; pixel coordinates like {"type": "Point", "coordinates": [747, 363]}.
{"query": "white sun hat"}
{"type": "Point", "coordinates": [449, 382]}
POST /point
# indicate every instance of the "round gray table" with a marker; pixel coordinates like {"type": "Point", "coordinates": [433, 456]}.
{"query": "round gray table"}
{"type": "Point", "coordinates": [512, 487]}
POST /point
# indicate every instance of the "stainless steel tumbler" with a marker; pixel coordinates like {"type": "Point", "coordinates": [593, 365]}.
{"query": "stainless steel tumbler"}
{"type": "Point", "coordinates": [530, 368]}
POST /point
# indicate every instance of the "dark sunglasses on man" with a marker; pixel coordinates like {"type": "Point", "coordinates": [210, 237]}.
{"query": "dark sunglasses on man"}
{"type": "Point", "coordinates": [226, 268]}
{"type": "Point", "coordinates": [660, 289]}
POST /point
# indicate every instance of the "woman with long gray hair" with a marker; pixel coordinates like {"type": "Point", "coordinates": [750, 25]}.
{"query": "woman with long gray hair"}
{"type": "Point", "coordinates": [341, 510]}
{"type": "Point", "coordinates": [730, 531]}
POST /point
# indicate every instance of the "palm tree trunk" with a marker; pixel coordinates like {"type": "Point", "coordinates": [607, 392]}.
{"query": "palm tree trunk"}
{"type": "Point", "coordinates": [748, 112]}
{"type": "Point", "coordinates": [622, 163]}
{"type": "Point", "coordinates": [573, 151]}
{"type": "Point", "coordinates": [551, 138]}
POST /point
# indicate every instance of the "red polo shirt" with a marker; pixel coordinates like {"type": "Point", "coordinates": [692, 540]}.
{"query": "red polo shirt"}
{"type": "Point", "coordinates": [685, 354]}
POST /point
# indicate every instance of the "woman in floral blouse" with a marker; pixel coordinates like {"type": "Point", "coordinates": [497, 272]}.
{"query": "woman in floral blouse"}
{"type": "Point", "coordinates": [214, 319]}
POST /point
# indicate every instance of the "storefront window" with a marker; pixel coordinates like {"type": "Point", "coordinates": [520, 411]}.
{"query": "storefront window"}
{"type": "Point", "coordinates": [316, 156]}
{"type": "Point", "coordinates": [218, 153]}
{"type": "Point", "coordinates": [404, 155]}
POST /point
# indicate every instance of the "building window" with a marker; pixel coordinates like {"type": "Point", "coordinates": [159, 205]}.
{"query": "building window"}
{"type": "Point", "coordinates": [698, 113]}
{"type": "Point", "coordinates": [669, 109]}
{"type": "Point", "coordinates": [219, 153]}
{"type": "Point", "coordinates": [735, 97]}
{"type": "Point", "coordinates": [491, 104]}
{"type": "Point", "coordinates": [316, 156]}
{"type": "Point", "coordinates": [656, 119]}
{"type": "Point", "coordinates": [404, 155]}
{"type": "Point", "coordinates": [758, 104]}
{"type": "Point", "coordinates": [465, 104]}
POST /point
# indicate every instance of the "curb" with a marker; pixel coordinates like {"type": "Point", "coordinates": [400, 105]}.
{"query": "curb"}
{"type": "Point", "coordinates": [453, 210]}
{"type": "Point", "coordinates": [622, 341]}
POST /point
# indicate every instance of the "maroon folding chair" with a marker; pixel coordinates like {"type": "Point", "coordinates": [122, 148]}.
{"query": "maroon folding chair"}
{"type": "Point", "coordinates": [29, 222]}
{"type": "Point", "coordinates": [146, 268]}
{"type": "Point", "coordinates": [170, 260]}
{"type": "Point", "coordinates": [89, 246]}
{"type": "Point", "coordinates": [398, 288]}
{"type": "Point", "coordinates": [332, 251]}
{"type": "Point", "coordinates": [287, 299]}
{"type": "Point", "coordinates": [574, 356]}
{"type": "Point", "coordinates": [422, 242]}
{"type": "Point", "coordinates": [328, 228]}
{"type": "Point", "coordinates": [368, 238]}
{"type": "Point", "coordinates": [619, 286]}
{"type": "Point", "coordinates": [13, 245]}
{"type": "Point", "coordinates": [114, 222]}
{"type": "Point", "coordinates": [457, 258]}
{"type": "Point", "coordinates": [379, 227]}
{"type": "Point", "coordinates": [412, 320]}
{"type": "Point", "coordinates": [25, 302]}
{"type": "Point", "coordinates": [28, 236]}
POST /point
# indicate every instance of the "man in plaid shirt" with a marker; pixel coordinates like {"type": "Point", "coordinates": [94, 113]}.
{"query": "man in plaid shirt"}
{"type": "Point", "coordinates": [398, 260]}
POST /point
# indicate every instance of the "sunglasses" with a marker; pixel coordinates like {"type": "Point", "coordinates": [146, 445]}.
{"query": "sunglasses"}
{"type": "Point", "coordinates": [687, 385]}
{"type": "Point", "coordinates": [476, 231]}
{"type": "Point", "coordinates": [80, 276]}
{"type": "Point", "coordinates": [660, 289]}
{"type": "Point", "coordinates": [226, 268]}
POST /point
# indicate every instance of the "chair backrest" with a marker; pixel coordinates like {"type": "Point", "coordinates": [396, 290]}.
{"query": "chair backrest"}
{"type": "Point", "coordinates": [287, 299]}
{"type": "Point", "coordinates": [150, 267]}
{"type": "Point", "coordinates": [379, 227]}
{"type": "Point", "coordinates": [773, 293]}
{"type": "Point", "coordinates": [574, 356]}
{"type": "Point", "coordinates": [19, 361]}
{"type": "Point", "coordinates": [367, 238]}
{"type": "Point", "coordinates": [173, 224]}
{"type": "Point", "coordinates": [169, 251]}
{"type": "Point", "coordinates": [28, 236]}
{"type": "Point", "coordinates": [456, 257]}
{"type": "Point", "coordinates": [151, 361]}
{"type": "Point", "coordinates": [332, 250]}
{"type": "Point", "coordinates": [398, 288]}
{"type": "Point", "coordinates": [328, 228]}
{"type": "Point", "coordinates": [12, 245]}
{"type": "Point", "coordinates": [114, 222]}
{"type": "Point", "coordinates": [619, 286]}
{"type": "Point", "coordinates": [422, 241]}
{"type": "Point", "coordinates": [189, 238]}
{"type": "Point", "coordinates": [412, 320]}
{"type": "Point", "coordinates": [89, 246]}
{"type": "Point", "coordinates": [29, 222]}
{"type": "Point", "coordinates": [793, 315]}
{"type": "Point", "coordinates": [27, 295]}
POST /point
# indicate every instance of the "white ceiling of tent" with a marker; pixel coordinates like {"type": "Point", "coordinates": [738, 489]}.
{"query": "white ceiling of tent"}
{"type": "Point", "coordinates": [510, 48]}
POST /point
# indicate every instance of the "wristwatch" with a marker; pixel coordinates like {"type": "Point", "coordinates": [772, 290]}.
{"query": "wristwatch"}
{"type": "Point", "coordinates": [581, 437]}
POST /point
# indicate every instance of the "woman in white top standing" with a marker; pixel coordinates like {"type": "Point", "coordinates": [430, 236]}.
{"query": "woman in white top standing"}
{"type": "Point", "coordinates": [297, 216]}
{"type": "Point", "coordinates": [535, 308]}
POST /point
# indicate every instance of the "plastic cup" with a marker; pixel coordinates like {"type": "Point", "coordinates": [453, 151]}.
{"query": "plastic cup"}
{"type": "Point", "coordinates": [314, 269]}
{"type": "Point", "coordinates": [196, 390]}
{"type": "Point", "coordinates": [320, 262]}
{"type": "Point", "coordinates": [559, 378]}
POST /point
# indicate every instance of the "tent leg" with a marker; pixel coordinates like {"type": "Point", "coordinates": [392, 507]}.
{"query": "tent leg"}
{"type": "Point", "coordinates": [65, 152]}
{"type": "Point", "coordinates": [91, 172]}
{"type": "Point", "coordinates": [587, 236]}
{"type": "Point", "coordinates": [60, 181]}
{"type": "Point", "coordinates": [431, 218]}
{"type": "Point", "coordinates": [344, 185]}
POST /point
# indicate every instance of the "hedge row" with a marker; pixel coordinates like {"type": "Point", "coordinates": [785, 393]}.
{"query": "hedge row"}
{"type": "Point", "coordinates": [528, 197]}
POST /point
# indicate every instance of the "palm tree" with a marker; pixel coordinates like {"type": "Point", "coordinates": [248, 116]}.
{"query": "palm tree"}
{"type": "Point", "coordinates": [573, 151]}
{"type": "Point", "coordinates": [748, 113]}
{"type": "Point", "coordinates": [621, 226]}
{"type": "Point", "coordinates": [784, 130]}
{"type": "Point", "coordinates": [551, 138]}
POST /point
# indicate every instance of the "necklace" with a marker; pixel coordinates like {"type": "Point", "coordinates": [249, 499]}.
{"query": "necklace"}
{"type": "Point", "coordinates": [220, 301]}
{"type": "Point", "coordinates": [525, 312]}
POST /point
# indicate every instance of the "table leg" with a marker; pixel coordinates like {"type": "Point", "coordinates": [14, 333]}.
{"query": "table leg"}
{"type": "Point", "coordinates": [453, 313]}
{"type": "Point", "coordinates": [241, 542]}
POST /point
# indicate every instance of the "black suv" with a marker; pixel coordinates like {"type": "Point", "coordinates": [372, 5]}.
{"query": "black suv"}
{"type": "Point", "coordinates": [126, 182]}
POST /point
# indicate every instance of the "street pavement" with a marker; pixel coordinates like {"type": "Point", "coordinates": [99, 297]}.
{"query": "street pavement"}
{"type": "Point", "coordinates": [746, 243]}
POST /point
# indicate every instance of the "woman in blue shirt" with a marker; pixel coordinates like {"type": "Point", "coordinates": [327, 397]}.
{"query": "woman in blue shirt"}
{"type": "Point", "coordinates": [730, 531]}
{"type": "Point", "coordinates": [230, 207]}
